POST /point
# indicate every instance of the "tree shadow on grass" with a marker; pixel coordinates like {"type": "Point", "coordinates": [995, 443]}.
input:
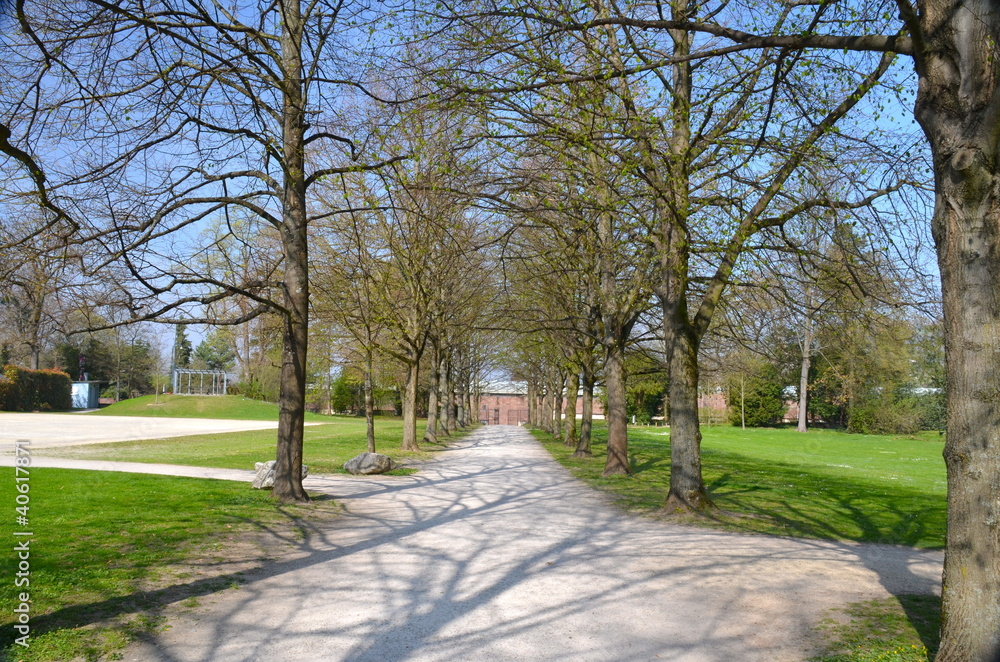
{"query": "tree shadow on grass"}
{"type": "Point", "coordinates": [924, 614]}
{"type": "Point", "coordinates": [808, 503]}
{"type": "Point", "coordinates": [791, 500]}
{"type": "Point", "coordinates": [844, 509]}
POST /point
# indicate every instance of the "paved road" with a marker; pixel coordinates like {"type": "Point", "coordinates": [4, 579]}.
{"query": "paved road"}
{"type": "Point", "coordinates": [48, 430]}
{"type": "Point", "coordinates": [494, 552]}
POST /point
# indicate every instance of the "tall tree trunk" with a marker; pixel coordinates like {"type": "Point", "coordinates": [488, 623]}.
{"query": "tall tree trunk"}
{"type": "Point", "coordinates": [369, 401]}
{"type": "Point", "coordinates": [547, 408]}
{"type": "Point", "coordinates": [681, 338]}
{"type": "Point", "coordinates": [430, 433]}
{"type": "Point", "coordinates": [569, 425]}
{"type": "Point", "coordinates": [539, 405]}
{"type": "Point", "coordinates": [469, 411]}
{"type": "Point", "coordinates": [36, 304]}
{"type": "Point", "coordinates": [557, 403]}
{"type": "Point", "coordinates": [446, 425]}
{"type": "Point", "coordinates": [451, 396]}
{"type": "Point", "coordinates": [614, 382]}
{"type": "Point", "coordinates": [410, 406]}
{"type": "Point", "coordinates": [804, 373]}
{"type": "Point", "coordinates": [969, 261]}
{"type": "Point", "coordinates": [328, 369]}
{"type": "Point", "coordinates": [958, 106]}
{"type": "Point", "coordinates": [292, 394]}
{"type": "Point", "coordinates": [461, 415]}
{"type": "Point", "coordinates": [743, 399]}
{"type": "Point", "coordinates": [532, 416]}
{"type": "Point", "coordinates": [587, 417]}
{"type": "Point", "coordinates": [687, 489]}
{"type": "Point", "coordinates": [295, 285]}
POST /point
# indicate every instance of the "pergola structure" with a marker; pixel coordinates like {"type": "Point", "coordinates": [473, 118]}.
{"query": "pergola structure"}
{"type": "Point", "coordinates": [199, 382]}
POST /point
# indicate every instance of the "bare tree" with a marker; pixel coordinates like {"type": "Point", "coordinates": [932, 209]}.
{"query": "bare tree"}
{"type": "Point", "coordinates": [249, 96]}
{"type": "Point", "coordinates": [35, 278]}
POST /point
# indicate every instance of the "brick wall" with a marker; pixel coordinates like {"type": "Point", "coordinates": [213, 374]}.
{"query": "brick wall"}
{"type": "Point", "coordinates": [512, 409]}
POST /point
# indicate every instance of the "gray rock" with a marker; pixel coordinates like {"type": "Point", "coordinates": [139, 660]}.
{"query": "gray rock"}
{"type": "Point", "coordinates": [369, 463]}
{"type": "Point", "coordinates": [264, 480]}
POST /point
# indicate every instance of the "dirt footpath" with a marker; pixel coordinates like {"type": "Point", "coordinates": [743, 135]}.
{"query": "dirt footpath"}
{"type": "Point", "coordinates": [48, 430]}
{"type": "Point", "coordinates": [494, 552]}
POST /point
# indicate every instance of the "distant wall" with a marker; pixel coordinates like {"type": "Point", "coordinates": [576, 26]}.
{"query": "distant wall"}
{"type": "Point", "coordinates": [512, 409]}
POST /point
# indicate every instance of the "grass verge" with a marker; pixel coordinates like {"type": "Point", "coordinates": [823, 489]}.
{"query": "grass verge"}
{"type": "Point", "coordinates": [109, 550]}
{"type": "Point", "coordinates": [326, 447]}
{"type": "Point", "coordinates": [823, 484]}
{"type": "Point", "coordinates": [904, 628]}
{"type": "Point", "coordinates": [199, 406]}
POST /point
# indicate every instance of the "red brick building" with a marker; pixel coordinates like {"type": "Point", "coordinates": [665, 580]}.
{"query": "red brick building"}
{"type": "Point", "coordinates": [507, 404]}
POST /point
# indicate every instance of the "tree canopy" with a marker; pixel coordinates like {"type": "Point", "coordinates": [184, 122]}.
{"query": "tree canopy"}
{"type": "Point", "coordinates": [588, 179]}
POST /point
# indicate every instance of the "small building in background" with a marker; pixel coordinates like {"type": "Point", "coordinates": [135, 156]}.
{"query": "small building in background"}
{"type": "Point", "coordinates": [503, 403]}
{"type": "Point", "coordinates": [506, 403]}
{"type": "Point", "coordinates": [86, 395]}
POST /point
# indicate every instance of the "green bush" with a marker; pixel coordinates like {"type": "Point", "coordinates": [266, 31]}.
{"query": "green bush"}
{"type": "Point", "coordinates": [6, 393]}
{"type": "Point", "coordinates": [904, 412]}
{"type": "Point", "coordinates": [29, 390]}
{"type": "Point", "coordinates": [887, 415]}
{"type": "Point", "coordinates": [758, 395]}
{"type": "Point", "coordinates": [347, 395]}
{"type": "Point", "coordinates": [19, 388]}
{"type": "Point", "coordinates": [55, 390]}
{"type": "Point", "coordinates": [933, 410]}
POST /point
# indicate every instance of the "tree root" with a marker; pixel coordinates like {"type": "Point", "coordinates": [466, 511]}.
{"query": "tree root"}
{"type": "Point", "coordinates": [696, 502]}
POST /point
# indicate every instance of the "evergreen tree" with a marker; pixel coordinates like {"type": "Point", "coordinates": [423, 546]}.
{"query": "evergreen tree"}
{"type": "Point", "coordinates": [216, 351]}
{"type": "Point", "coordinates": [182, 348]}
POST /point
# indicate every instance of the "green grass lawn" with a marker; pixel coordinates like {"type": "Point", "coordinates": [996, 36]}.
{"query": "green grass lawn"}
{"type": "Point", "coordinates": [108, 548]}
{"type": "Point", "coordinates": [195, 406]}
{"type": "Point", "coordinates": [325, 449]}
{"type": "Point", "coordinates": [823, 484]}
{"type": "Point", "coordinates": [903, 628]}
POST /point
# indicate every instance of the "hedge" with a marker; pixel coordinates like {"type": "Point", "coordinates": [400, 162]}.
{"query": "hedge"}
{"type": "Point", "coordinates": [29, 390]}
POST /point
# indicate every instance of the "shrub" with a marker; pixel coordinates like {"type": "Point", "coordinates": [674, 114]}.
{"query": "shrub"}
{"type": "Point", "coordinates": [886, 415]}
{"type": "Point", "coordinates": [758, 395]}
{"type": "Point", "coordinates": [55, 390]}
{"type": "Point", "coordinates": [28, 390]}
{"type": "Point", "coordinates": [6, 387]}
{"type": "Point", "coordinates": [19, 392]}
{"type": "Point", "coordinates": [347, 395]}
{"type": "Point", "coordinates": [933, 410]}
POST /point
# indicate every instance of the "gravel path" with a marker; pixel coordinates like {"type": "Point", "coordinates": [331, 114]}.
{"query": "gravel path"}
{"type": "Point", "coordinates": [494, 552]}
{"type": "Point", "coordinates": [48, 430]}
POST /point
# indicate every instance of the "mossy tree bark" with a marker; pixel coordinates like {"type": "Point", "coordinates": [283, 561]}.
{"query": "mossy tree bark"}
{"type": "Point", "coordinates": [572, 392]}
{"type": "Point", "coordinates": [587, 416]}
{"type": "Point", "coordinates": [958, 106]}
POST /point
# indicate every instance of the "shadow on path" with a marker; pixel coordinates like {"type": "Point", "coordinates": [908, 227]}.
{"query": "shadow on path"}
{"type": "Point", "coordinates": [495, 552]}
